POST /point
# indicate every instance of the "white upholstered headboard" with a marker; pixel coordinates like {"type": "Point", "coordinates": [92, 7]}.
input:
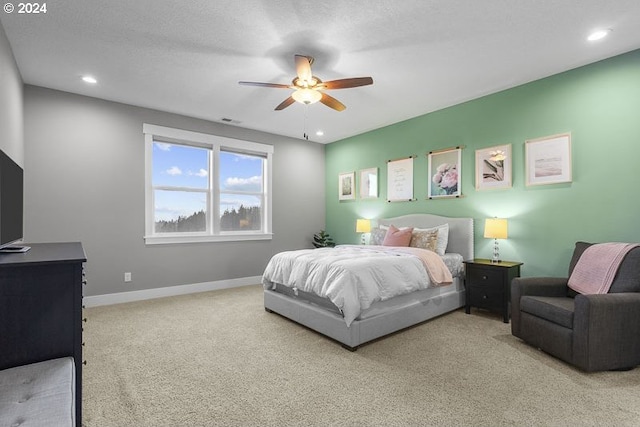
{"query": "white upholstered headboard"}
{"type": "Point", "coordinates": [460, 230]}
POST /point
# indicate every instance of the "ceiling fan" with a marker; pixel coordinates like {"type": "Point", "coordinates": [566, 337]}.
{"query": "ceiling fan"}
{"type": "Point", "coordinates": [308, 88]}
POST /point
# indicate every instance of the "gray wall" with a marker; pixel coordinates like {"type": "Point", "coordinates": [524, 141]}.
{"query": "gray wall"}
{"type": "Point", "coordinates": [84, 181]}
{"type": "Point", "coordinates": [11, 103]}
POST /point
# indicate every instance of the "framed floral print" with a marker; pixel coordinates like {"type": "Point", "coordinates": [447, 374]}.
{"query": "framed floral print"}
{"type": "Point", "coordinates": [445, 173]}
{"type": "Point", "coordinates": [493, 167]}
{"type": "Point", "coordinates": [346, 186]}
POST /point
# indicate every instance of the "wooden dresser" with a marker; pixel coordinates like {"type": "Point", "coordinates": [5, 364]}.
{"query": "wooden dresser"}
{"type": "Point", "coordinates": [41, 307]}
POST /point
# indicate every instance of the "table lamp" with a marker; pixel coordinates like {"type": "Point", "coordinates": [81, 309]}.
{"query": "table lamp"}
{"type": "Point", "coordinates": [495, 228]}
{"type": "Point", "coordinates": [363, 226]}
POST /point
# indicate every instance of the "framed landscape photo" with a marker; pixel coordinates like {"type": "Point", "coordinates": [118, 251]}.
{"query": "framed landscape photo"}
{"type": "Point", "coordinates": [369, 183]}
{"type": "Point", "coordinates": [346, 186]}
{"type": "Point", "coordinates": [493, 167]}
{"type": "Point", "coordinates": [445, 173]}
{"type": "Point", "coordinates": [548, 160]}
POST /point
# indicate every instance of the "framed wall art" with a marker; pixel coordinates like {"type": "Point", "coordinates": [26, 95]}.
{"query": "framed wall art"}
{"type": "Point", "coordinates": [400, 180]}
{"type": "Point", "coordinates": [445, 173]}
{"type": "Point", "coordinates": [493, 167]}
{"type": "Point", "coordinates": [346, 186]}
{"type": "Point", "coordinates": [548, 160]}
{"type": "Point", "coordinates": [369, 183]}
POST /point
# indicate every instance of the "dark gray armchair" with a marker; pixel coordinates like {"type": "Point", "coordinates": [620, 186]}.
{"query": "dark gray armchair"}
{"type": "Point", "coordinates": [592, 332]}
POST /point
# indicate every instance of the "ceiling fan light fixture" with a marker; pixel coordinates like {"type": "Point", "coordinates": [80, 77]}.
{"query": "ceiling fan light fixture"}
{"type": "Point", "coordinates": [306, 96]}
{"type": "Point", "coordinates": [307, 88]}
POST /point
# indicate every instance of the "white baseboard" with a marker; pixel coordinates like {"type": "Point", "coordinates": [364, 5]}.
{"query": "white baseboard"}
{"type": "Point", "coordinates": [122, 297]}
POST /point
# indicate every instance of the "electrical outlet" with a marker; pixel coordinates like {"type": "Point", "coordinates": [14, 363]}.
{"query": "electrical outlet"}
{"type": "Point", "coordinates": [127, 277]}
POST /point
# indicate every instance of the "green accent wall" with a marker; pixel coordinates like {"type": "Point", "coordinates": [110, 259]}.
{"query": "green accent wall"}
{"type": "Point", "coordinates": [599, 104]}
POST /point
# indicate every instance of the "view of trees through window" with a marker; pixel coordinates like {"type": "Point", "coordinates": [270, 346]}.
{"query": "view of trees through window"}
{"type": "Point", "coordinates": [242, 219]}
{"type": "Point", "coordinates": [183, 194]}
{"type": "Point", "coordinates": [183, 224]}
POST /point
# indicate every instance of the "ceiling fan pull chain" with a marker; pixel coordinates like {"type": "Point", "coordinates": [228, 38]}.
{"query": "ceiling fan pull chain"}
{"type": "Point", "coordinates": [304, 131]}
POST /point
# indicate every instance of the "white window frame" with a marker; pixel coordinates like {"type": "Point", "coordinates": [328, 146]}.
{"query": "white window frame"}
{"type": "Point", "coordinates": [215, 144]}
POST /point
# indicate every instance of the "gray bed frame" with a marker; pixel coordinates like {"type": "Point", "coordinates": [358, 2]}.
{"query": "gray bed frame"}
{"type": "Point", "coordinates": [399, 316]}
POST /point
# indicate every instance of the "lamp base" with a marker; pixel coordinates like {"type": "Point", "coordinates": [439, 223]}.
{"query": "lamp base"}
{"type": "Point", "coordinates": [496, 252]}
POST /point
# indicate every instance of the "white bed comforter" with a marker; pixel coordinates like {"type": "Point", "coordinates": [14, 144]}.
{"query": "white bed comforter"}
{"type": "Point", "coordinates": [354, 277]}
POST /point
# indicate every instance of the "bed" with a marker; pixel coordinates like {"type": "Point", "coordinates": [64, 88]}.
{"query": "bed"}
{"type": "Point", "coordinates": [328, 314]}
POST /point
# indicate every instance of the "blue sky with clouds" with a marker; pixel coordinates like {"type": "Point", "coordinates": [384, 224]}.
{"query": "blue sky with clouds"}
{"type": "Point", "coordinates": [182, 166]}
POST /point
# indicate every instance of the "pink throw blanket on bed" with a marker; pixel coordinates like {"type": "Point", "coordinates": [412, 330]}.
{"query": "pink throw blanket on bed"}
{"type": "Point", "coordinates": [597, 267]}
{"type": "Point", "coordinates": [436, 268]}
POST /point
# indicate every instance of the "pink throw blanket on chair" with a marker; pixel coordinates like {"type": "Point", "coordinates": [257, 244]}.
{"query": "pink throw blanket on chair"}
{"type": "Point", "coordinates": [597, 267]}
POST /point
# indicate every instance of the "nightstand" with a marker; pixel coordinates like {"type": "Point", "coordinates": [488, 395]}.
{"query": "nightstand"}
{"type": "Point", "coordinates": [488, 284]}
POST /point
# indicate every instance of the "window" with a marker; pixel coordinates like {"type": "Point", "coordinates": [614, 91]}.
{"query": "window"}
{"type": "Point", "coordinates": [203, 187]}
{"type": "Point", "coordinates": [241, 191]}
{"type": "Point", "coordinates": [180, 181]}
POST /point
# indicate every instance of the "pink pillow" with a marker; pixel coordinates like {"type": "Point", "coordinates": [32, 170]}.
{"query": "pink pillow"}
{"type": "Point", "coordinates": [396, 237]}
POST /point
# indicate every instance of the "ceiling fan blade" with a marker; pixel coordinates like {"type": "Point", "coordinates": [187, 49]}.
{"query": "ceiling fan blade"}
{"type": "Point", "coordinates": [347, 83]}
{"type": "Point", "coordinates": [303, 67]}
{"type": "Point", "coordinates": [284, 104]}
{"type": "Point", "coordinates": [331, 102]}
{"type": "Point", "coordinates": [277, 85]}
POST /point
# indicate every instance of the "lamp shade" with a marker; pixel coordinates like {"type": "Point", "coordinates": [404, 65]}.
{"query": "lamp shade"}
{"type": "Point", "coordinates": [363, 226]}
{"type": "Point", "coordinates": [495, 228]}
{"type": "Point", "coordinates": [306, 96]}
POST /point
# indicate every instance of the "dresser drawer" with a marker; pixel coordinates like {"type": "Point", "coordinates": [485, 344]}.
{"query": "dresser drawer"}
{"type": "Point", "coordinates": [485, 277]}
{"type": "Point", "coordinates": [486, 297]}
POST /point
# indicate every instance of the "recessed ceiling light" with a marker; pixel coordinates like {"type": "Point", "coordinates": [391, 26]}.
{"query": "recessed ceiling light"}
{"type": "Point", "coordinates": [89, 79]}
{"type": "Point", "coordinates": [597, 35]}
{"type": "Point", "coordinates": [319, 133]}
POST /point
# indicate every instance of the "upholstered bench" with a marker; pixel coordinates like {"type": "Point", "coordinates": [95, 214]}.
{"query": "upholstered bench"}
{"type": "Point", "coordinates": [39, 394]}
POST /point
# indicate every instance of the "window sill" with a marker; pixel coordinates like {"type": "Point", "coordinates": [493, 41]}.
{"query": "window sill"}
{"type": "Point", "coordinates": [170, 240]}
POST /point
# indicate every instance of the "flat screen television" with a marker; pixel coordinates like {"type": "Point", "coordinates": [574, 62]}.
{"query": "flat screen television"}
{"type": "Point", "coordinates": [11, 204]}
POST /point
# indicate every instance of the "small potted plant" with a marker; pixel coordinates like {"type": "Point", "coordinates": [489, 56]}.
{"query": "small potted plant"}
{"type": "Point", "coordinates": [323, 240]}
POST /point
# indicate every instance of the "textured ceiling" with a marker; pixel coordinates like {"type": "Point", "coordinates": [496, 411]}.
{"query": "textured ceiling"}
{"type": "Point", "coordinates": [187, 57]}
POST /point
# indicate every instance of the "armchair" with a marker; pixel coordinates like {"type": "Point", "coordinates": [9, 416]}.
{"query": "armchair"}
{"type": "Point", "coordinates": [593, 332]}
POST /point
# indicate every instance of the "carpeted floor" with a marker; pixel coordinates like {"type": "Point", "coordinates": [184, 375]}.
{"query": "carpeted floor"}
{"type": "Point", "coordinates": [218, 359]}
